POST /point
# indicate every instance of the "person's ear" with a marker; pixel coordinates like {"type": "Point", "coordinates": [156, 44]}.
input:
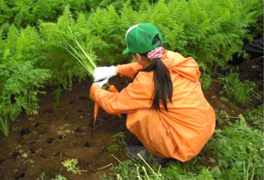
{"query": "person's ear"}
{"type": "Point", "coordinates": [138, 57]}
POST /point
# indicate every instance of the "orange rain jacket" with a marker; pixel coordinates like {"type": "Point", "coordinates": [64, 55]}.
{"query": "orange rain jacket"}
{"type": "Point", "coordinates": [179, 133]}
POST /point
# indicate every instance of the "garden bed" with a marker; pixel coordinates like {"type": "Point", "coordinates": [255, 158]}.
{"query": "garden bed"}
{"type": "Point", "coordinates": [39, 144]}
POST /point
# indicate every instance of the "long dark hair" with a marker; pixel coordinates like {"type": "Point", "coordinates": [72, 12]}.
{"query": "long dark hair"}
{"type": "Point", "coordinates": [162, 81]}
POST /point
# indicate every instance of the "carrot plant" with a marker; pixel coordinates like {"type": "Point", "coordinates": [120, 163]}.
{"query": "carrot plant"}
{"type": "Point", "coordinates": [233, 88]}
{"type": "Point", "coordinates": [59, 177]}
{"type": "Point", "coordinates": [20, 80]}
{"type": "Point", "coordinates": [209, 31]}
{"type": "Point", "coordinates": [27, 12]}
{"type": "Point", "coordinates": [71, 166]}
{"type": "Point", "coordinates": [255, 117]}
{"type": "Point", "coordinates": [20, 91]}
{"type": "Point", "coordinates": [67, 38]}
{"type": "Point", "coordinates": [239, 152]}
{"type": "Point", "coordinates": [119, 142]}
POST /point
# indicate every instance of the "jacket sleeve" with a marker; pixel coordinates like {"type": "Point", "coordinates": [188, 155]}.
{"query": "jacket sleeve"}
{"type": "Point", "coordinates": [128, 70]}
{"type": "Point", "coordinates": [130, 98]}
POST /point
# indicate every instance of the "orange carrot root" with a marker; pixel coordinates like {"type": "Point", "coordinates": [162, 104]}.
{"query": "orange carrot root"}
{"type": "Point", "coordinates": [96, 110]}
{"type": "Point", "coordinates": [111, 88]}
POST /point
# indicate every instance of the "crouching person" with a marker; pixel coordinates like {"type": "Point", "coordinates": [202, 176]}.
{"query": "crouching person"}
{"type": "Point", "coordinates": [165, 106]}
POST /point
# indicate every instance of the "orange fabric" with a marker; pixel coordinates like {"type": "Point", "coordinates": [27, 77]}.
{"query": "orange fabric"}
{"type": "Point", "coordinates": [128, 70]}
{"type": "Point", "coordinates": [180, 133]}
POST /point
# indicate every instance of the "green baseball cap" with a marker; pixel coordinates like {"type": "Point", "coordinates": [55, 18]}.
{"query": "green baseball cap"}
{"type": "Point", "coordinates": [139, 38]}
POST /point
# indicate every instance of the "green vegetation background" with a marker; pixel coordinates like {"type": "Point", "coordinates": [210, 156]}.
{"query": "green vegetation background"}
{"type": "Point", "coordinates": [33, 55]}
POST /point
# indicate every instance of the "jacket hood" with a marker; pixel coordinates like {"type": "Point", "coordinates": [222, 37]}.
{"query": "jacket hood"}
{"type": "Point", "coordinates": [186, 67]}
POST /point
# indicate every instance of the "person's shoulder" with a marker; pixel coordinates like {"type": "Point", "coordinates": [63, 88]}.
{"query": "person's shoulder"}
{"type": "Point", "coordinates": [172, 59]}
{"type": "Point", "coordinates": [143, 77]}
{"type": "Point", "coordinates": [174, 55]}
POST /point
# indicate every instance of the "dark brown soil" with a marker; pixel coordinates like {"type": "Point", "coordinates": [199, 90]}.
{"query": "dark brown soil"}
{"type": "Point", "coordinates": [41, 143]}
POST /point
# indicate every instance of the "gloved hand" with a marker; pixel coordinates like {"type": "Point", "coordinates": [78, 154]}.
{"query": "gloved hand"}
{"type": "Point", "coordinates": [101, 73]}
{"type": "Point", "coordinates": [101, 83]}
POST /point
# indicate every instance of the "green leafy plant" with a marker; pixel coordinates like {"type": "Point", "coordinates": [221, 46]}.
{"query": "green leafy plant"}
{"type": "Point", "coordinates": [198, 28]}
{"type": "Point", "coordinates": [71, 166]}
{"type": "Point", "coordinates": [27, 12]}
{"type": "Point", "coordinates": [206, 81]}
{"type": "Point", "coordinates": [72, 41]}
{"type": "Point", "coordinates": [223, 117]}
{"type": "Point", "coordinates": [87, 62]}
{"type": "Point", "coordinates": [255, 117]}
{"type": "Point", "coordinates": [63, 35]}
{"type": "Point", "coordinates": [178, 172]}
{"type": "Point", "coordinates": [113, 148]}
{"type": "Point", "coordinates": [20, 78]}
{"type": "Point", "coordinates": [119, 140]}
{"type": "Point", "coordinates": [130, 170]}
{"type": "Point", "coordinates": [42, 176]}
{"type": "Point", "coordinates": [57, 95]}
{"type": "Point", "coordinates": [59, 177]}
{"type": "Point", "coordinates": [233, 88]}
{"type": "Point", "coordinates": [238, 150]}
{"type": "Point", "coordinates": [174, 170]}
{"type": "Point", "coordinates": [224, 99]}
{"type": "Point", "coordinates": [20, 91]}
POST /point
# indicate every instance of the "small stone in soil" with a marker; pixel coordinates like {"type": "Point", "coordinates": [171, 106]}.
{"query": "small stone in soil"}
{"type": "Point", "coordinates": [24, 132]}
{"type": "Point", "coordinates": [32, 151]}
{"type": "Point", "coordinates": [15, 155]}
{"type": "Point", "coordinates": [87, 144]}
{"type": "Point", "coordinates": [49, 140]}
{"type": "Point", "coordinates": [19, 175]}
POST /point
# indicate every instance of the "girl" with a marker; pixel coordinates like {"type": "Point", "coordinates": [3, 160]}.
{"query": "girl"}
{"type": "Point", "coordinates": [165, 106]}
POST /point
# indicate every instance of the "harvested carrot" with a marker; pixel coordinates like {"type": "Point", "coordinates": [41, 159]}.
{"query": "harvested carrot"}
{"type": "Point", "coordinates": [111, 88]}
{"type": "Point", "coordinates": [96, 110]}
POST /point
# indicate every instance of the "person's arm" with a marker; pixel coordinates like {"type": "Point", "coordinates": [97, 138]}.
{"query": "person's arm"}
{"type": "Point", "coordinates": [128, 70]}
{"type": "Point", "coordinates": [107, 72]}
{"type": "Point", "coordinates": [130, 98]}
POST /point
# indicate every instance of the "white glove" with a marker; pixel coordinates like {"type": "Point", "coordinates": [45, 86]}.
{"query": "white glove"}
{"type": "Point", "coordinates": [101, 83]}
{"type": "Point", "coordinates": [105, 72]}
